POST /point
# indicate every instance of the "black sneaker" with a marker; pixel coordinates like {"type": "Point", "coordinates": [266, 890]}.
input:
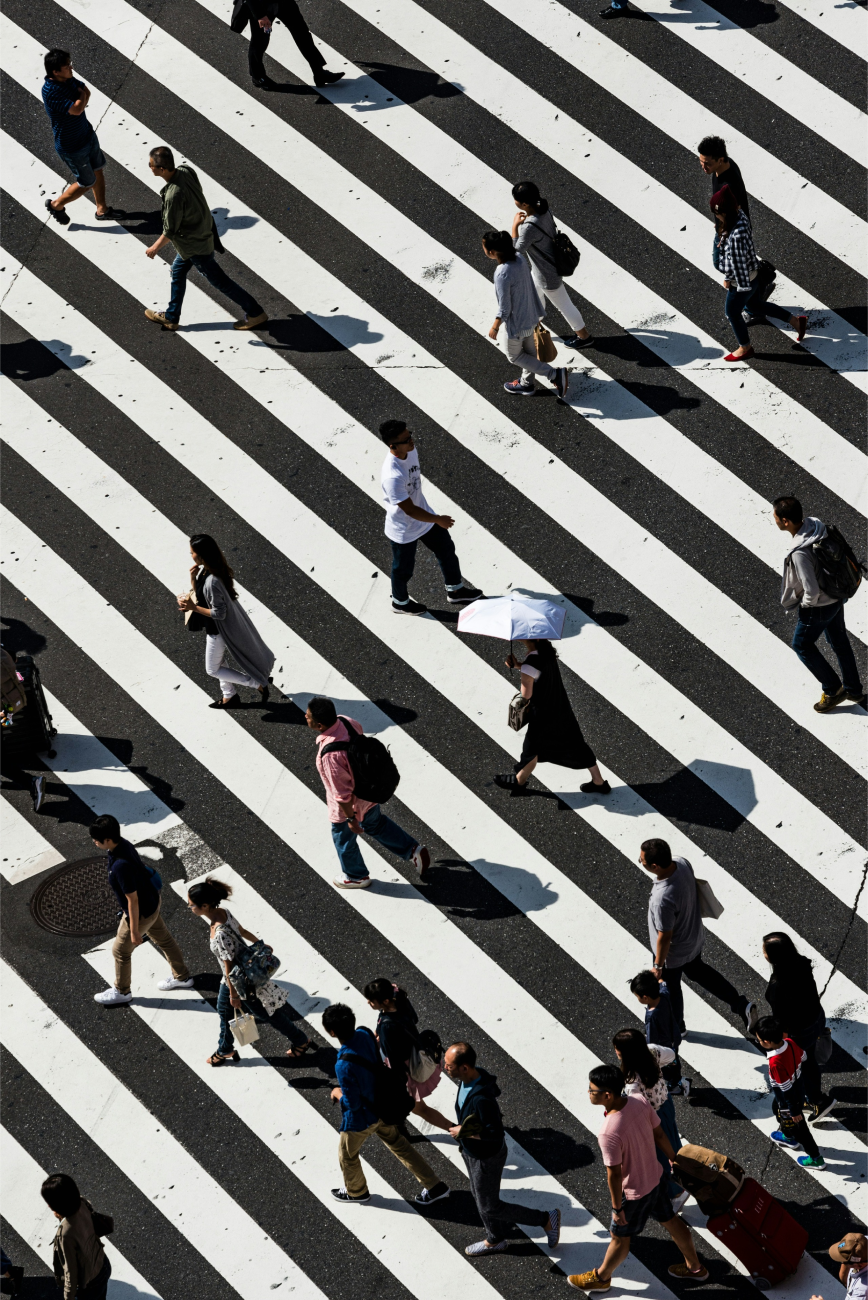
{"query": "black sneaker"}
{"type": "Point", "coordinates": [464, 595]}
{"type": "Point", "coordinates": [61, 216]}
{"type": "Point", "coordinates": [818, 1110]}
{"type": "Point", "coordinates": [588, 787]}
{"type": "Point", "coordinates": [509, 781]}
{"type": "Point", "coordinates": [411, 607]}
{"type": "Point", "coordinates": [262, 83]}
{"type": "Point", "coordinates": [341, 1194]}
{"type": "Point", "coordinates": [855, 697]}
{"type": "Point", "coordinates": [573, 341]}
{"type": "Point", "coordinates": [562, 382]}
{"type": "Point", "coordinates": [428, 1196]}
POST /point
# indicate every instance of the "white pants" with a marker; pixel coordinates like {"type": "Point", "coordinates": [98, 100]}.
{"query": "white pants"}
{"type": "Point", "coordinates": [522, 352]}
{"type": "Point", "coordinates": [215, 653]}
{"type": "Point", "coordinates": [560, 299]}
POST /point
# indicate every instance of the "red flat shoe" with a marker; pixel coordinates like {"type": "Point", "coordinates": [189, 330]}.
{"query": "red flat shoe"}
{"type": "Point", "coordinates": [802, 328]}
{"type": "Point", "coordinates": [745, 355]}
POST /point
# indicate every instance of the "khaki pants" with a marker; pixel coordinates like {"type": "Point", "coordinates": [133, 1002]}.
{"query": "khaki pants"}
{"type": "Point", "coordinates": [351, 1166]}
{"type": "Point", "coordinates": [122, 949]}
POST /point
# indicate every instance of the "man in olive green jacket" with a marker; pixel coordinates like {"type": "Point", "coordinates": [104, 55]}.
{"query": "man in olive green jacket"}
{"type": "Point", "coordinates": [188, 224]}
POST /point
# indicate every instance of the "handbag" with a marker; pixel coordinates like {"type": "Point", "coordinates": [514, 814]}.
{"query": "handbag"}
{"type": "Point", "coordinates": [255, 964]}
{"type": "Point", "coordinates": [545, 348]}
{"type": "Point", "coordinates": [519, 712]}
{"type": "Point", "coordinates": [103, 1224]}
{"type": "Point", "coordinates": [244, 1029]}
{"type": "Point", "coordinates": [765, 274]}
{"type": "Point", "coordinates": [708, 905]}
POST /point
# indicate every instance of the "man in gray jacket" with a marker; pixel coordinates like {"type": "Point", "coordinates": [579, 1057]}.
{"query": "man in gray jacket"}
{"type": "Point", "coordinates": [818, 612]}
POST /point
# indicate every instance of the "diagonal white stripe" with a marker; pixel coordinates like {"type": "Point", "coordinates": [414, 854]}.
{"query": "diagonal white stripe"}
{"type": "Point", "coordinates": [844, 21]}
{"type": "Point", "coordinates": [25, 852]}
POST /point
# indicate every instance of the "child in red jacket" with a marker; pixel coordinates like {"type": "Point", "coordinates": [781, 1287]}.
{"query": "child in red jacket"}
{"type": "Point", "coordinates": [785, 1060]}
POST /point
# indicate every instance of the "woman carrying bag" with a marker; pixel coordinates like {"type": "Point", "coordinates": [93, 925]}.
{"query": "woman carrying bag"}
{"type": "Point", "coordinates": [533, 233]}
{"type": "Point", "coordinates": [553, 734]}
{"type": "Point", "coordinates": [398, 1035]}
{"type": "Point", "coordinates": [519, 311]}
{"type": "Point", "coordinates": [227, 943]}
{"type": "Point", "coordinates": [739, 263]}
{"type": "Point", "coordinates": [641, 1064]}
{"type": "Point", "coordinates": [794, 1000]}
{"type": "Point", "coordinates": [213, 607]}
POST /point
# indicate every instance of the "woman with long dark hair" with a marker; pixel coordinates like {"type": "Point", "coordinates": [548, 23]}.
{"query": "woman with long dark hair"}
{"type": "Point", "coordinates": [794, 1000]}
{"type": "Point", "coordinates": [398, 1034]}
{"type": "Point", "coordinates": [738, 262]}
{"type": "Point", "coordinates": [553, 734]}
{"type": "Point", "coordinates": [226, 941]}
{"type": "Point", "coordinates": [641, 1064]}
{"type": "Point", "coordinates": [227, 625]}
{"type": "Point", "coordinates": [519, 310]}
{"type": "Point", "coordinates": [533, 233]}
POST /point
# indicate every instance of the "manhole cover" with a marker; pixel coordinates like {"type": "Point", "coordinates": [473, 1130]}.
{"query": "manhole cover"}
{"type": "Point", "coordinates": [76, 900]}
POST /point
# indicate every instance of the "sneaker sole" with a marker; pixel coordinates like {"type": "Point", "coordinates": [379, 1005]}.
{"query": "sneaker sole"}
{"type": "Point", "coordinates": [411, 612]}
{"type": "Point", "coordinates": [354, 884]}
{"type": "Point", "coordinates": [824, 1113]}
{"type": "Point", "coordinates": [462, 600]}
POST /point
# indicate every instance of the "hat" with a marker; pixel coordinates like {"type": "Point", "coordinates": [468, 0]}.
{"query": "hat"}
{"type": "Point", "coordinates": [724, 201]}
{"type": "Point", "coordinates": [849, 1242]}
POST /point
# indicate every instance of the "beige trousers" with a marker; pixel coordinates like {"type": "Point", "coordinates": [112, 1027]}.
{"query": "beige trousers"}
{"type": "Point", "coordinates": [351, 1166]}
{"type": "Point", "coordinates": [156, 928]}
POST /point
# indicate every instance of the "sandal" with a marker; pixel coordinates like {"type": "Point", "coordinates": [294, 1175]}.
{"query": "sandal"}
{"type": "Point", "coordinates": [302, 1048]}
{"type": "Point", "coordinates": [217, 1059]}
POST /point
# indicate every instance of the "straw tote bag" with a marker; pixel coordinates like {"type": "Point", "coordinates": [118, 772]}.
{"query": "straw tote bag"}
{"type": "Point", "coordinates": [545, 348]}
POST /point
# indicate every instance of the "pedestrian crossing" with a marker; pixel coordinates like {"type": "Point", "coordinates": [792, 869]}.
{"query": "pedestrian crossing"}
{"type": "Point", "coordinates": [355, 215]}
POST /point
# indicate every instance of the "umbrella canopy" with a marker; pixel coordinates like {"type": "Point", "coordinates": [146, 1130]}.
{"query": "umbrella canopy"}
{"type": "Point", "coordinates": [514, 618]}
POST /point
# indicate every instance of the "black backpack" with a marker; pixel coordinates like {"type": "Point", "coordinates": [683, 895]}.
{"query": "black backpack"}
{"type": "Point", "coordinates": [375, 776]}
{"type": "Point", "coordinates": [566, 254]}
{"type": "Point", "coordinates": [392, 1102]}
{"type": "Point", "coordinates": [839, 573]}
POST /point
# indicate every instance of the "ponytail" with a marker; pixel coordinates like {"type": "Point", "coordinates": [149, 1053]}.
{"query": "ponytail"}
{"type": "Point", "coordinates": [209, 892]}
{"type": "Point", "coordinates": [528, 192]}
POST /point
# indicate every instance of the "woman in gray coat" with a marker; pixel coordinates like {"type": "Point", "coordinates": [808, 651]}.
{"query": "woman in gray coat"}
{"type": "Point", "coordinates": [533, 233]}
{"type": "Point", "coordinates": [228, 627]}
{"type": "Point", "coordinates": [518, 311]}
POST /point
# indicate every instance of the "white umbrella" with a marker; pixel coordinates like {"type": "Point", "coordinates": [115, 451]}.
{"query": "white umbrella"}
{"type": "Point", "coordinates": [515, 617]}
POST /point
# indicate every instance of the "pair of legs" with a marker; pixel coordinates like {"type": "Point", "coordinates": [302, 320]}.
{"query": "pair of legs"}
{"type": "Point", "coordinates": [351, 1166]}
{"type": "Point", "coordinates": [281, 1020]}
{"type": "Point", "coordinates": [669, 1124]}
{"type": "Point", "coordinates": [561, 299]}
{"type": "Point", "coordinates": [229, 678]}
{"type": "Point", "coordinates": [88, 167]}
{"type": "Point", "coordinates": [206, 264]}
{"type": "Point", "coordinates": [156, 929]}
{"type": "Point", "coordinates": [752, 300]}
{"type": "Point", "coordinates": [290, 15]}
{"type": "Point", "coordinates": [793, 1124]}
{"type": "Point", "coordinates": [656, 1205]}
{"type": "Point", "coordinates": [522, 352]}
{"type": "Point", "coordinates": [498, 1218]}
{"type": "Point", "coordinates": [524, 774]}
{"type": "Point", "coordinates": [97, 1289]}
{"type": "Point", "coordinates": [707, 978]}
{"type": "Point", "coordinates": [813, 623]}
{"type": "Point", "coordinates": [441, 546]}
{"type": "Point", "coordinates": [380, 828]}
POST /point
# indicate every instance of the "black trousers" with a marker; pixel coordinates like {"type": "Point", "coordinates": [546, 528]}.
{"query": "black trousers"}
{"type": "Point", "coordinates": [290, 15]}
{"type": "Point", "coordinates": [707, 978]}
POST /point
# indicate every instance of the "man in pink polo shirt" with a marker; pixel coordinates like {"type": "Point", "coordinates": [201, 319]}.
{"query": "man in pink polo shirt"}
{"type": "Point", "coordinates": [348, 814]}
{"type": "Point", "coordinates": [637, 1185]}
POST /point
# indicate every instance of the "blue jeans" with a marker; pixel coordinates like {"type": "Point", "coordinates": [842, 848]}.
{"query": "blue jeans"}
{"type": "Point", "coordinates": [282, 1020]}
{"type": "Point", "coordinates": [440, 544]}
{"type": "Point", "coordinates": [666, 1115]}
{"type": "Point", "coordinates": [380, 828]}
{"type": "Point", "coordinates": [84, 163]}
{"type": "Point", "coordinates": [752, 300]}
{"type": "Point", "coordinates": [206, 264]}
{"type": "Point", "coordinates": [813, 622]}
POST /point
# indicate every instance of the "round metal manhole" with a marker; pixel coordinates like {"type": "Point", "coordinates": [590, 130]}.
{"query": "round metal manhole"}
{"type": "Point", "coordinates": [76, 900]}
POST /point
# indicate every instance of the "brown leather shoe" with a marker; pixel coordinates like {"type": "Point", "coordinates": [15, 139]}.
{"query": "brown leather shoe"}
{"type": "Point", "coordinates": [252, 322]}
{"type": "Point", "coordinates": [159, 318]}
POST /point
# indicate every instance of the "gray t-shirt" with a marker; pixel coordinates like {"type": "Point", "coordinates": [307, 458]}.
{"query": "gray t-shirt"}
{"type": "Point", "coordinates": [673, 905]}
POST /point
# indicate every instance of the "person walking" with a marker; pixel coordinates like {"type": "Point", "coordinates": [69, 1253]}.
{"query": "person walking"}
{"type": "Point", "coordinates": [553, 734]}
{"type": "Point", "coordinates": [349, 814]}
{"type": "Point", "coordinates": [630, 1131]}
{"type": "Point", "coordinates": [226, 941]}
{"type": "Point", "coordinates": [819, 613]}
{"type": "Point", "coordinates": [785, 1061]}
{"type": "Point", "coordinates": [642, 1066]}
{"type": "Point", "coordinates": [228, 627]}
{"type": "Point", "coordinates": [75, 141]}
{"type": "Point", "coordinates": [262, 15]}
{"type": "Point", "coordinates": [189, 225]}
{"type": "Point", "coordinates": [661, 1026]}
{"type": "Point", "coordinates": [80, 1264]}
{"type": "Point", "coordinates": [715, 162]}
{"type": "Point", "coordinates": [481, 1138]}
{"type": "Point", "coordinates": [398, 1035]}
{"type": "Point", "coordinates": [410, 520]}
{"type": "Point", "coordinates": [137, 889]}
{"type": "Point", "coordinates": [533, 234]}
{"type": "Point", "coordinates": [851, 1252]}
{"type": "Point", "coordinates": [676, 934]}
{"type": "Point", "coordinates": [519, 311]}
{"type": "Point", "coordinates": [738, 263]}
{"type": "Point", "coordinates": [357, 1063]}
{"type": "Point", "coordinates": [794, 1000]}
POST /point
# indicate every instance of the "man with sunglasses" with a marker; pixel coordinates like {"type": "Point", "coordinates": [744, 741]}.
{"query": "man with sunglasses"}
{"type": "Point", "coordinates": [851, 1252]}
{"type": "Point", "coordinates": [410, 520]}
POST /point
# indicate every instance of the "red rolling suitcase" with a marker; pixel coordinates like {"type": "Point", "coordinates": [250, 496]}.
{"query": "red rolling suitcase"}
{"type": "Point", "coordinates": [761, 1233]}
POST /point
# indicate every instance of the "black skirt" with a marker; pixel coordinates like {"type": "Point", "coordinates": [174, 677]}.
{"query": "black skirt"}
{"type": "Point", "coordinates": [553, 734]}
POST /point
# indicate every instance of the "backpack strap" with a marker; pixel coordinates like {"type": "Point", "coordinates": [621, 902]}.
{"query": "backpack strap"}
{"type": "Point", "coordinates": [340, 746]}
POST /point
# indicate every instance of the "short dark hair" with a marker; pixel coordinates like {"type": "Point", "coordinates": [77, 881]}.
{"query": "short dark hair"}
{"type": "Point", "coordinates": [55, 60]}
{"type": "Point", "coordinates": [608, 1078]}
{"type": "Point", "coordinates": [645, 985]}
{"type": "Point", "coordinates": [163, 157]}
{"type": "Point", "coordinates": [61, 1194]}
{"type": "Point", "coordinates": [789, 508]}
{"type": "Point", "coordinates": [391, 429]}
{"type": "Point", "coordinates": [657, 852]}
{"type": "Point", "coordinates": [322, 710]}
{"type": "Point", "coordinates": [464, 1054]}
{"type": "Point", "coordinates": [339, 1019]}
{"type": "Point", "coordinates": [104, 828]}
{"type": "Point", "coordinates": [769, 1029]}
{"type": "Point", "coordinates": [711, 146]}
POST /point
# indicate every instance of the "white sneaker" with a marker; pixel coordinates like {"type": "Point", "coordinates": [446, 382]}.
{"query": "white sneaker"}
{"type": "Point", "coordinates": [343, 882]}
{"type": "Point", "coordinates": [679, 1202]}
{"type": "Point", "coordinates": [167, 985]}
{"type": "Point", "coordinates": [112, 998]}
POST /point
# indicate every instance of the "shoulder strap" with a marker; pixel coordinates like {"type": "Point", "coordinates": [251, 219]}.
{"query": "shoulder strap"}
{"type": "Point", "coordinates": [340, 746]}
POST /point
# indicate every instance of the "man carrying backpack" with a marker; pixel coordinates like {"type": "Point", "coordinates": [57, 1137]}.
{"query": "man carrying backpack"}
{"type": "Point", "coordinates": [820, 574]}
{"type": "Point", "coordinates": [338, 760]}
{"type": "Point", "coordinates": [137, 889]}
{"type": "Point", "coordinates": [358, 1069]}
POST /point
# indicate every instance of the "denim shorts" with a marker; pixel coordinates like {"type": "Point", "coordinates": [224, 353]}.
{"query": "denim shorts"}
{"type": "Point", "coordinates": [84, 162]}
{"type": "Point", "coordinates": [655, 1205]}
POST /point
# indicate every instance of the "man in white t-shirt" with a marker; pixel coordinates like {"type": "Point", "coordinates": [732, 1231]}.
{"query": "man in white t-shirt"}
{"type": "Point", "coordinates": [409, 519]}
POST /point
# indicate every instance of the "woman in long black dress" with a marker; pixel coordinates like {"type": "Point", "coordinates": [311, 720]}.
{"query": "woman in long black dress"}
{"type": "Point", "coordinates": [553, 734]}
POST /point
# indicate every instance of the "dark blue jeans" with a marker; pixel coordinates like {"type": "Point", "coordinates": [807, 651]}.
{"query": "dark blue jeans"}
{"type": "Point", "coordinates": [206, 264]}
{"type": "Point", "coordinates": [440, 544]}
{"type": "Point", "coordinates": [96, 1290]}
{"type": "Point", "coordinates": [666, 1115]}
{"type": "Point", "coordinates": [739, 300]}
{"type": "Point", "coordinates": [813, 622]}
{"type": "Point", "coordinates": [282, 1020]}
{"type": "Point", "coordinates": [380, 828]}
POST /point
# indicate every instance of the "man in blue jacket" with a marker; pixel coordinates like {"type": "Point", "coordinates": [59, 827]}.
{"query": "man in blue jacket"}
{"type": "Point", "coordinates": [480, 1135]}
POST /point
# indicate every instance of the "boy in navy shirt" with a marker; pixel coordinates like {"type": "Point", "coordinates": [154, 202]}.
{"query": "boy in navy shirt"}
{"type": "Point", "coordinates": [65, 99]}
{"type": "Point", "coordinates": [661, 1025]}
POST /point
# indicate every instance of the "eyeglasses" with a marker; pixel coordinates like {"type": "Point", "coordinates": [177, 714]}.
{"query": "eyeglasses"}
{"type": "Point", "coordinates": [402, 441]}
